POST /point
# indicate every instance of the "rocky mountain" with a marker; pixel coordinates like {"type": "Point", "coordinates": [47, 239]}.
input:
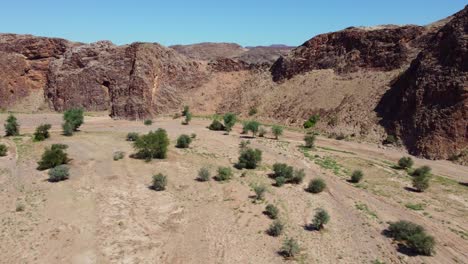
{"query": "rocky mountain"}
{"type": "Point", "coordinates": [365, 83]}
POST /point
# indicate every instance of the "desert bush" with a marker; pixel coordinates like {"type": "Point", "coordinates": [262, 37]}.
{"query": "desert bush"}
{"type": "Point", "coordinates": [118, 155]}
{"type": "Point", "coordinates": [185, 110]}
{"type": "Point", "coordinates": [188, 118]}
{"type": "Point", "coordinates": [148, 122]}
{"type": "Point", "coordinates": [42, 132]}
{"type": "Point", "coordinates": [243, 144]}
{"type": "Point", "coordinates": [74, 117]}
{"type": "Point", "coordinates": [280, 181]}
{"type": "Point", "coordinates": [204, 174]}
{"type": "Point", "coordinates": [276, 228]}
{"type": "Point", "coordinates": [259, 192]}
{"type": "Point", "coordinates": [132, 136]}
{"type": "Point", "coordinates": [11, 126]}
{"type": "Point", "coordinates": [230, 120]}
{"type": "Point", "coordinates": [216, 126]}
{"type": "Point", "coordinates": [405, 163]}
{"type": "Point", "coordinates": [67, 129]}
{"type": "Point", "coordinates": [272, 211]}
{"type": "Point", "coordinates": [316, 186]}
{"type": "Point", "coordinates": [249, 159]}
{"type": "Point", "coordinates": [390, 140]}
{"type": "Point", "coordinates": [282, 170]}
{"type": "Point", "coordinates": [309, 140]}
{"type": "Point", "coordinates": [53, 157]}
{"type": "Point", "coordinates": [290, 248]}
{"type": "Point", "coordinates": [357, 176]}
{"type": "Point", "coordinates": [152, 145]}
{"type": "Point", "coordinates": [183, 141]}
{"type": "Point", "coordinates": [3, 150]}
{"type": "Point", "coordinates": [311, 122]}
{"type": "Point", "coordinates": [424, 170]}
{"type": "Point", "coordinates": [413, 236]}
{"type": "Point", "coordinates": [251, 126]}
{"type": "Point", "coordinates": [298, 176]}
{"type": "Point", "coordinates": [421, 182]}
{"type": "Point", "coordinates": [59, 173]}
{"type": "Point", "coordinates": [224, 174]}
{"type": "Point", "coordinates": [262, 131]}
{"type": "Point", "coordinates": [253, 111]}
{"type": "Point", "coordinates": [277, 131]}
{"type": "Point", "coordinates": [159, 182]}
{"type": "Point", "coordinates": [193, 136]}
{"type": "Point", "coordinates": [321, 218]}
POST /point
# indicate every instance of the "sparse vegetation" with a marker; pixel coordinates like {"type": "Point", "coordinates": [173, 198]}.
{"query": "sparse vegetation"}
{"type": "Point", "coordinates": [316, 186]}
{"type": "Point", "coordinates": [216, 126]}
{"type": "Point", "coordinates": [421, 182]}
{"type": "Point", "coordinates": [53, 156]}
{"type": "Point", "coordinates": [132, 136]}
{"type": "Point", "coordinates": [74, 118]}
{"type": "Point", "coordinates": [148, 122]}
{"type": "Point", "coordinates": [118, 155]}
{"type": "Point", "coordinates": [152, 145]}
{"type": "Point", "coordinates": [309, 140]}
{"type": "Point", "coordinates": [321, 218]}
{"type": "Point", "coordinates": [280, 181]}
{"type": "Point", "coordinates": [42, 132]}
{"type": "Point", "coordinates": [224, 174]}
{"type": "Point", "coordinates": [11, 126]}
{"type": "Point", "coordinates": [3, 150]}
{"type": "Point", "coordinates": [284, 173]}
{"type": "Point", "coordinates": [262, 131]}
{"type": "Point", "coordinates": [277, 131]}
{"type": "Point", "coordinates": [311, 122]}
{"type": "Point", "coordinates": [243, 144]}
{"type": "Point", "coordinates": [67, 129]}
{"type": "Point", "coordinates": [159, 182]}
{"type": "Point", "coordinates": [251, 126]}
{"type": "Point", "coordinates": [249, 159]}
{"type": "Point", "coordinates": [59, 173]}
{"type": "Point", "coordinates": [253, 111]}
{"type": "Point", "coordinates": [276, 228]}
{"type": "Point", "coordinates": [259, 192]}
{"type": "Point", "coordinates": [413, 236]}
{"type": "Point", "coordinates": [390, 140]}
{"type": "Point", "coordinates": [357, 176]}
{"type": "Point", "coordinates": [193, 136]}
{"type": "Point", "coordinates": [183, 141]}
{"type": "Point", "coordinates": [186, 110]}
{"type": "Point", "coordinates": [290, 248]}
{"type": "Point", "coordinates": [405, 163]}
{"type": "Point", "coordinates": [188, 118]}
{"type": "Point", "coordinates": [272, 211]}
{"type": "Point", "coordinates": [424, 170]}
{"type": "Point", "coordinates": [204, 174]}
{"type": "Point", "coordinates": [230, 120]}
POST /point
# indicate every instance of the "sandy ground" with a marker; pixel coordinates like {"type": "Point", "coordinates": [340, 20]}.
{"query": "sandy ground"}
{"type": "Point", "coordinates": [105, 212]}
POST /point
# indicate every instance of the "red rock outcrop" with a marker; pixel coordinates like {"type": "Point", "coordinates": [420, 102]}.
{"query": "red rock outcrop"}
{"type": "Point", "coordinates": [427, 107]}
{"type": "Point", "coordinates": [381, 48]}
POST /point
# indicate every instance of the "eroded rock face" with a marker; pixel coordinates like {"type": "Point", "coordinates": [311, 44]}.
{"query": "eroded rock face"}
{"type": "Point", "coordinates": [428, 105]}
{"type": "Point", "coordinates": [385, 48]}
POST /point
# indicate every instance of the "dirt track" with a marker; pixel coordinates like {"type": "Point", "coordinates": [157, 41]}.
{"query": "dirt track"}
{"type": "Point", "coordinates": [106, 213]}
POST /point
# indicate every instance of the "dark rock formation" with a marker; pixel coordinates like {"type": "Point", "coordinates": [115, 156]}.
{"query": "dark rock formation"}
{"type": "Point", "coordinates": [427, 107]}
{"type": "Point", "coordinates": [383, 48]}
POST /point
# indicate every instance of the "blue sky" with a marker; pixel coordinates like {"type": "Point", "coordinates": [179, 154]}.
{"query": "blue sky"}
{"type": "Point", "coordinates": [182, 22]}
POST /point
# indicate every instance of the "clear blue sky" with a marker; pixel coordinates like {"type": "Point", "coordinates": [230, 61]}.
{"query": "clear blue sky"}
{"type": "Point", "coordinates": [247, 22]}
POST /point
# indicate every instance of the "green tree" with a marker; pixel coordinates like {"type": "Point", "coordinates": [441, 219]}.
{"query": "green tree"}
{"type": "Point", "coordinates": [272, 211]}
{"type": "Point", "coordinates": [132, 136]}
{"type": "Point", "coordinates": [277, 131]}
{"type": "Point", "coordinates": [53, 156]}
{"type": "Point", "coordinates": [276, 228]}
{"type": "Point", "coordinates": [11, 126]}
{"type": "Point", "coordinates": [290, 248]}
{"type": "Point", "coordinates": [413, 236]}
{"type": "Point", "coordinates": [230, 120]}
{"type": "Point", "coordinates": [316, 186]}
{"type": "Point", "coordinates": [421, 182]}
{"type": "Point", "coordinates": [405, 163]}
{"type": "Point", "coordinates": [188, 118]}
{"type": "Point", "coordinates": [251, 126]}
{"type": "Point", "coordinates": [42, 132]}
{"type": "Point", "coordinates": [183, 141]}
{"type": "Point", "coordinates": [186, 110]}
{"type": "Point", "coordinates": [74, 117]}
{"type": "Point", "coordinates": [3, 150]}
{"type": "Point", "coordinates": [249, 159]}
{"type": "Point", "coordinates": [216, 125]}
{"type": "Point", "coordinates": [259, 192]}
{"type": "Point", "coordinates": [67, 129]}
{"type": "Point", "coordinates": [309, 140]}
{"type": "Point", "coordinates": [148, 122]}
{"type": "Point", "coordinates": [224, 174]}
{"type": "Point", "coordinates": [152, 145]}
{"type": "Point", "coordinates": [321, 218]}
{"type": "Point", "coordinates": [357, 176]}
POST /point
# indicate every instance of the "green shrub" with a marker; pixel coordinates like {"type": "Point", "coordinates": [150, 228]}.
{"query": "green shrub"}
{"type": "Point", "coordinates": [280, 181]}
{"type": "Point", "coordinates": [390, 140]}
{"type": "Point", "coordinates": [132, 136]}
{"type": "Point", "coordinates": [224, 174]}
{"type": "Point", "coordinates": [118, 155]}
{"type": "Point", "coordinates": [148, 122]}
{"type": "Point", "coordinates": [188, 118]}
{"type": "Point", "coordinates": [424, 170]}
{"type": "Point", "coordinates": [290, 248]}
{"type": "Point", "coordinates": [321, 218]}
{"type": "Point", "coordinates": [272, 211]}
{"type": "Point", "coordinates": [3, 150]}
{"type": "Point", "coordinates": [259, 192]}
{"type": "Point", "coordinates": [413, 236]}
{"type": "Point", "coordinates": [277, 131]}
{"type": "Point", "coordinates": [204, 174]}
{"type": "Point", "coordinates": [67, 129]}
{"type": "Point", "coordinates": [405, 163]}
{"type": "Point", "coordinates": [357, 176]}
{"type": "Point", "coordinates": [59, 173]}
{"type": "Point", "coordinates": [11, 126]}
{"type": "Point", "coordinates": [42, 132]}
{"type": "Point", "coordinates": [251, 126]}
{"type": "Point", "coordinates": [311, 122]}
{"type": "Point", "coordinates": [249, 159]}
{"type": "Point", "coordinates": [309, 140]}
{"type": "Point", "coordinates": [183, 141]}
{"type": "Point", "coordinates": [316, 186]}
{"type": "Point", "coordinates": [243, 144]}
{"type": "Point", "coordinates": [421, 182]}
{"type": "Point", "coordinates": [298, 176]}
{"type": "Point", "coordinates": [74, 117]}
{"type": "Point", "coordinates": [159, 182]}
{"type": "Point", "coordinates": [186, 110]}
{"type": "Point", "coordinates": [152, 145]}
{"type": "Point", "coordinates": [230, 120]}
{"type": "Point", "coordinates": [52, 157]}
{"type": "Point", "coordinates": [262, 131]}
{"type": "Point", "coordinates": [216, 126]}
{"type": "Point", "coordinates": [282, 170]}
{"type": "Point", "coordinates": [276, 228]}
